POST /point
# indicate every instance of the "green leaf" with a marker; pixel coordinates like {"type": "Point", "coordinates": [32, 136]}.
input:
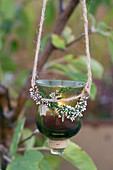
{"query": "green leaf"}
{"type": "Point", "coordinates": [7, 26]}
{"type": "Point", "coordinates": [16, 137]}
{"type": "Point", "coordinates": [22, 77]}
{"type": "Point", "coordinates": [68, 35]}
{"type": "Point", "coordinates": [77, 76]}
{"type": "Point", "coordinates": [44, 41]}
{"type": "Point", "coordinates": [68, 57]}
{"type": "Point", "coordinates": [81, 77]}
{"type": "Point", "coordinates": [93, 5]}
{"type": "Point", "coordinates": [79, 158]}
{"type": "Point", "coordinates": [110, 42]}
{"type": "Point", "coordinates": [80, 64]}
{"type": "Point", "coordinates": [111, 33]}
{"type": "Point", "coordinates": [109, 16]}
{"type": "Point", "coordinates": [28, 19]}
{"type": "Point", "coordinates": [7, 63]}
{"type": "Point", "coordinates": [101, 33]}
{"type": "Point", "coordinates": [50, 12]}
{"type": "Point", "coordinates": [54, 161]}
{"type": "Point", "coordinates": [14, 46]}
{"type": "Point", "coordinates": [103, 27]}
{"type": "Point", "coordinates": [33, 155]}
{"type": "Point", "coordinates": [44, 165]}
{"type": "Point", "coordinates": [93, 91]}
{"type": "Point", "coordinates": [58, 42]}
{"type": "Point", "coordinates": [30, 143]}
{"type": "Point", "coordinates": [2, 34]}
{"type": "Point", "coordinates": [58, 66]}
{"type": "Point", "coordinates": [93, 21]}
{"type": "Point", "coordinates": [29, 161]}
{"type": "Point", "coordinates": [96, 67]}
{"type": "Point", "coordinates": [8, 8]}
{"type": "Point", "coordinates": [39, 142]}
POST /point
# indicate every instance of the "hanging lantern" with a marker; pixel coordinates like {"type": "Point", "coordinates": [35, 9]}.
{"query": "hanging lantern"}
{"type": "Point", "coordinates": [58, 120]}
{"type": "Point", "coordinates": [60, 102]}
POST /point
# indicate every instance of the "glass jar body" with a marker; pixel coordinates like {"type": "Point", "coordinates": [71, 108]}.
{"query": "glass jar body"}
{"type": "Point", "coordinates": [53, 127]}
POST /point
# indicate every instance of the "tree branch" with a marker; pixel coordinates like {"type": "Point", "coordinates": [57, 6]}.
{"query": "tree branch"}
{"type": "Point", "coordinates": [5, 101]}
{"type": "Point", "coordinates": [60, 24]}
{"type": "Point", "coordinates": [34, 148]}
{"type": "Point", "coordinates": [4, 156]}
{"type": "Point", "coordinates": [91, 31]}
{"type": "Point", "coordinates": [22, 98]}
{"type": "Point", "coordinates": [6, 113]}
{"type": "Point", "coordinates": [29, 137]}
{"type": "Point", "coordinates": [7, 158]}
{"type": "Point", "coordinates": [61, 6]}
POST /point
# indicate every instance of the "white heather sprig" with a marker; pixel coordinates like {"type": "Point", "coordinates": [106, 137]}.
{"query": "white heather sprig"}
{"type": "Point", "coordinates": [72, 112]}
{"type": "Point", "coordinates": [63, 110]}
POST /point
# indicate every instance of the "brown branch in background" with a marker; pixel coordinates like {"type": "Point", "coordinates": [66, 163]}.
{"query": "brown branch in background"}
{"type": "Point", "coordinates": [61, 6]}
{"type": "Point", "coordinates": [60, 24]}
{"type": "Point", "coordinates": [22, 98]}
{"type": "Point", "coordinates": [4, 157]}
{"type": "Point", "coordinates": [91, 31]}
{"type": "Point", "coordinates": [9, 160]}
{"type": "Point", "coordinates": [6, 113]}
{"type": "Point", "coordinates": [4, 98]}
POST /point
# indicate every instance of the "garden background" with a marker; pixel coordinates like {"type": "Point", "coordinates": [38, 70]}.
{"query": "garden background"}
{"type": "Point", "coordinates": [19, 22]}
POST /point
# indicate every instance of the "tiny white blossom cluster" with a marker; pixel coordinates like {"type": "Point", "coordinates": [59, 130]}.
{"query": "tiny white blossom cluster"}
{"type": "Point", "coordinates": [63, 111]}
{"type": "Point", "coordinates": [72, 112]}
{"type": "Point", "coordinates": [38, 97]}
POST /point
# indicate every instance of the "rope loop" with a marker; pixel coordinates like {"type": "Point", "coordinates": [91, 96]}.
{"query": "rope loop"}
{"type": "Point", "coordinates": [86, 90]}
{"type": "Point", "coordinates": [34, 73]}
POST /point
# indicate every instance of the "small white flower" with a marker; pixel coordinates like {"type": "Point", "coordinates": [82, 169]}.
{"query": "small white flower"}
{"type": "Point", "coordinates": [80, 115]}
{"type": "Point", "coordinates": [38, 102]}
{"type": "Point", "coordinates": [85, 102]}
{"type": "Point", "coordinates": [30, 89]}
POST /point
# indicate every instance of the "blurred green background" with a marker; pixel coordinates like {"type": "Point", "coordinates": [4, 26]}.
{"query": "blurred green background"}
{"type": "Point", "coordinates": [19, 22]}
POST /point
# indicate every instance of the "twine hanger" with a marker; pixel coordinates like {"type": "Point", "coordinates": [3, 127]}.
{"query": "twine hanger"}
{"type": "Point", "coordinates": [86, 91]}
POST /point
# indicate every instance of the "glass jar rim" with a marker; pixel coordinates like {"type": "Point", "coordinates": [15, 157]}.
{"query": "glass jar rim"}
{"type": "Point", "coordinates": [60, 83]}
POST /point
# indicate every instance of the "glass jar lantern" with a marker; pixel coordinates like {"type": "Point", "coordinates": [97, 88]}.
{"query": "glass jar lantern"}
{"type": "Point", "coordinates": [52, 126]}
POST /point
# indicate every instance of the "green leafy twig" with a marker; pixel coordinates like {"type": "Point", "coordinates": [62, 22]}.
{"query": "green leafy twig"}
{"type": "Point", "coordinates": [29, 137]}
